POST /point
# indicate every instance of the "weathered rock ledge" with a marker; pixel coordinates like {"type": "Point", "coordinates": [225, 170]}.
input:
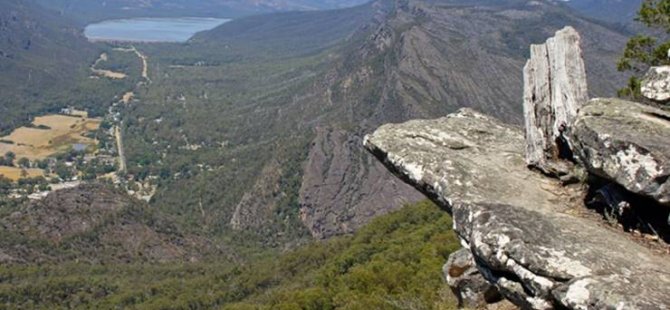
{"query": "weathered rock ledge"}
{"type": "Point", "coordinates": [519, 224]}
{"type": "Point", "coordinates": [626, 142]}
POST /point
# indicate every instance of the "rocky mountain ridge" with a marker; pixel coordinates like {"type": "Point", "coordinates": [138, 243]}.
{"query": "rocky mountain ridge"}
{"type": "Point", "coordinates": [425, 72]}
{"type": "Point", "coordinates": [523, 236]}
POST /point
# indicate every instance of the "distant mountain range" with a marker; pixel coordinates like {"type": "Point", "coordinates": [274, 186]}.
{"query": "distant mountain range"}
{"type": "Point", "coordinates": [91, 10]}
{"type": "Point", "coordinates": [622, 11]}
{"type": "Point", "coordinates": [617, 11]}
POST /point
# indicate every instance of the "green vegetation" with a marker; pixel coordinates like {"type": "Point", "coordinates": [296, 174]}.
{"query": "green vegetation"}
{"type": "Point", "coordinates": [643, 51]}
{"type": "Point", "coordinates": [230, 109]}
{"type": "Point", "coordinates": [45, 63]}
{"type": "Point", "coordinates": [393, 263]}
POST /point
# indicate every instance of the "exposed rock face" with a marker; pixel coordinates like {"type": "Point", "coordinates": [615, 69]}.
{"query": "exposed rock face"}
{"type": "Point", "coordinates": [656, 84]}
{"type": "Point", "coordinates": [518, 224]}
{"type": "Point", "coordinates": [328, 207]}
{"type": "Point", "coordinates": [256, 207]}
{"type": "Point", "coordinates": [626, 142]}
{"type": "Point", "coordinates": [554, 89]}
{"type": "Point", "coordinates": [472, 290]}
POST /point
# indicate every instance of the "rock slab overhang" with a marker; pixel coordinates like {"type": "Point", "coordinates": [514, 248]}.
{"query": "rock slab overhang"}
{"type": "Point", "coordinates": [519, 224]}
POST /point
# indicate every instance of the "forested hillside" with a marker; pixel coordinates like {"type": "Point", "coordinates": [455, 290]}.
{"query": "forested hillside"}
{"type": "Point", "coordinates": [393, 263]}
{"type": "Point", "coordinates": [44, 60]}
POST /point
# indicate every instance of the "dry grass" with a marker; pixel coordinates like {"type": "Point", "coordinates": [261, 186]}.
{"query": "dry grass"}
{"type": "Point", "coordinates": [15, 174]}
{"type": "Point", "coordinates": [64, 131]}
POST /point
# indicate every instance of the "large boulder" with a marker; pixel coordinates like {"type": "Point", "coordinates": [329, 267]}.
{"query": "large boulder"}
{"type": "Point", "coordinates": [626, 142]}
{"type": "Point", "coordinates": [656, 84]}
{"type": "Point", "coordinates": [518, 224]}
{"type": "Point", "coordinates": [554, 89]}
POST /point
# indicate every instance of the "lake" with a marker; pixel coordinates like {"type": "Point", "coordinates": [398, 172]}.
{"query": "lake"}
{"type": "Point", "coordinates": [178, 29]}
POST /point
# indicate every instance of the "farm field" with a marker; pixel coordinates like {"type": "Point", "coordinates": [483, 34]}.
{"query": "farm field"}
{"type": "Point", "coordinates": [14, 173]}
{"type": "Point", "coordinates": [59, 133]}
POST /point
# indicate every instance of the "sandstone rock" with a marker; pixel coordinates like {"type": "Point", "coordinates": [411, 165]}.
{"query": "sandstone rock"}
{"type": "Point", "coordinates": [472, 290]}
{"type": "Point", "coordinates": [626, 142]}
{"type": "Point", "coordinates": [656, 84]}
{"type": "Point", "coordinates": [554, 89]}
{"type": "Point", "coordinates": [516, 222]}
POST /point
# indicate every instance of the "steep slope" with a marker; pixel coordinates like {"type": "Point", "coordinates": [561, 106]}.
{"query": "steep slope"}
{"type": "Point", "coordinates": [396, 260]}
{"type": "Point", "coordinates": [93, 223]}
{"type": "Point", "coordinates": [269, 131]}
{"type": "Point", "coordinates": [44, 62]}
{"type": "Point", "coordinates": [428, 60]}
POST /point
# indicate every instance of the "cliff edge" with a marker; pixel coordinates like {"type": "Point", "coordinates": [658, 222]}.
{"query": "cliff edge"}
{"type": "Point", "coordinates": [524, 233]}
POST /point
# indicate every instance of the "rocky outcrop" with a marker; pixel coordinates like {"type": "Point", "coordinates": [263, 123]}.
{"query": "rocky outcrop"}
{"type": "Point", "coordinates": [554, 89]}
{"type": "Point", "coordinates": [94, 223]}
{"type": "Point", "coordinates": [656, 84]}
{"type": "Point", "coordinates": [520, 225]}
{"type": "Point", "coordinates": [256, 207]}
{"type": "Point", "coordinates": [66, 213]}
{"type": "Point", "coordinates": [467, 283]}
{"type": "Point", "coordinates": [626, 142]}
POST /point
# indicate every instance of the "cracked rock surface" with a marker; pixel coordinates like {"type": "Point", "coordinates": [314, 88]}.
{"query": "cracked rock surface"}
{"type": "Point", "coordinates": [554, 89]}
{"type": "Point", "coordinates": [517, 223]}
{"type": "Point", "coordinates": [656, 84]}
{"type": "Point", "coordinates": [626, 142]}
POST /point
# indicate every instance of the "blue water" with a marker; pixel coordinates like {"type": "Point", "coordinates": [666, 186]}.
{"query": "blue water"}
{"type": "Point", "coordinates": [178, 29]}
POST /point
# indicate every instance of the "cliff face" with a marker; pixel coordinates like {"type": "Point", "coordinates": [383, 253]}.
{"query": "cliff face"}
{"type": "Point", "coordinates": [423, 60]}
{"type": "Point", "coordinates": [343, 74]}
{"type": "Point", "coordinates": [526, 233]}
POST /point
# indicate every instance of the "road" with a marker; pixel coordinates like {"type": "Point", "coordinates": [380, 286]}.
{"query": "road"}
{"type": "Point", "coordinates": [119, 147]}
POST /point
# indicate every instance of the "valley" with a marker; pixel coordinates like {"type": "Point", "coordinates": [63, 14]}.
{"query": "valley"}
{"type": "Point", "coordinates": [258, 117]}
{"type": "Point", "coordinates": [222, 165]}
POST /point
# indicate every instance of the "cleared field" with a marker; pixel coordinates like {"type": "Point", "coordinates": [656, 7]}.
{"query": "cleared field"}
{"type": "Point", "coordinates": [106, 73]}
{"type": "Point", "coordinates": [15, 174]}
{"type": "Point", "coordinates": [63, 132]}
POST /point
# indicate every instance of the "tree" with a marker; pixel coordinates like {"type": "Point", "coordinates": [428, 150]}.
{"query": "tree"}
{"type": "Point", "coordinates": [9, 157]}
{"type": "Point", "coordinates": [24, 162]}
{"type": "Point", "coordinates": [643, 51]}
{"type": "Point", "coordinates": [5, 185]}
{"type": "Point", "coordinates": [63, 171]}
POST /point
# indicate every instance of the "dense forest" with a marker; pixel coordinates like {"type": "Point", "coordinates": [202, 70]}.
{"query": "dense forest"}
{"type": "Point", "coordinates": [393, 263]}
